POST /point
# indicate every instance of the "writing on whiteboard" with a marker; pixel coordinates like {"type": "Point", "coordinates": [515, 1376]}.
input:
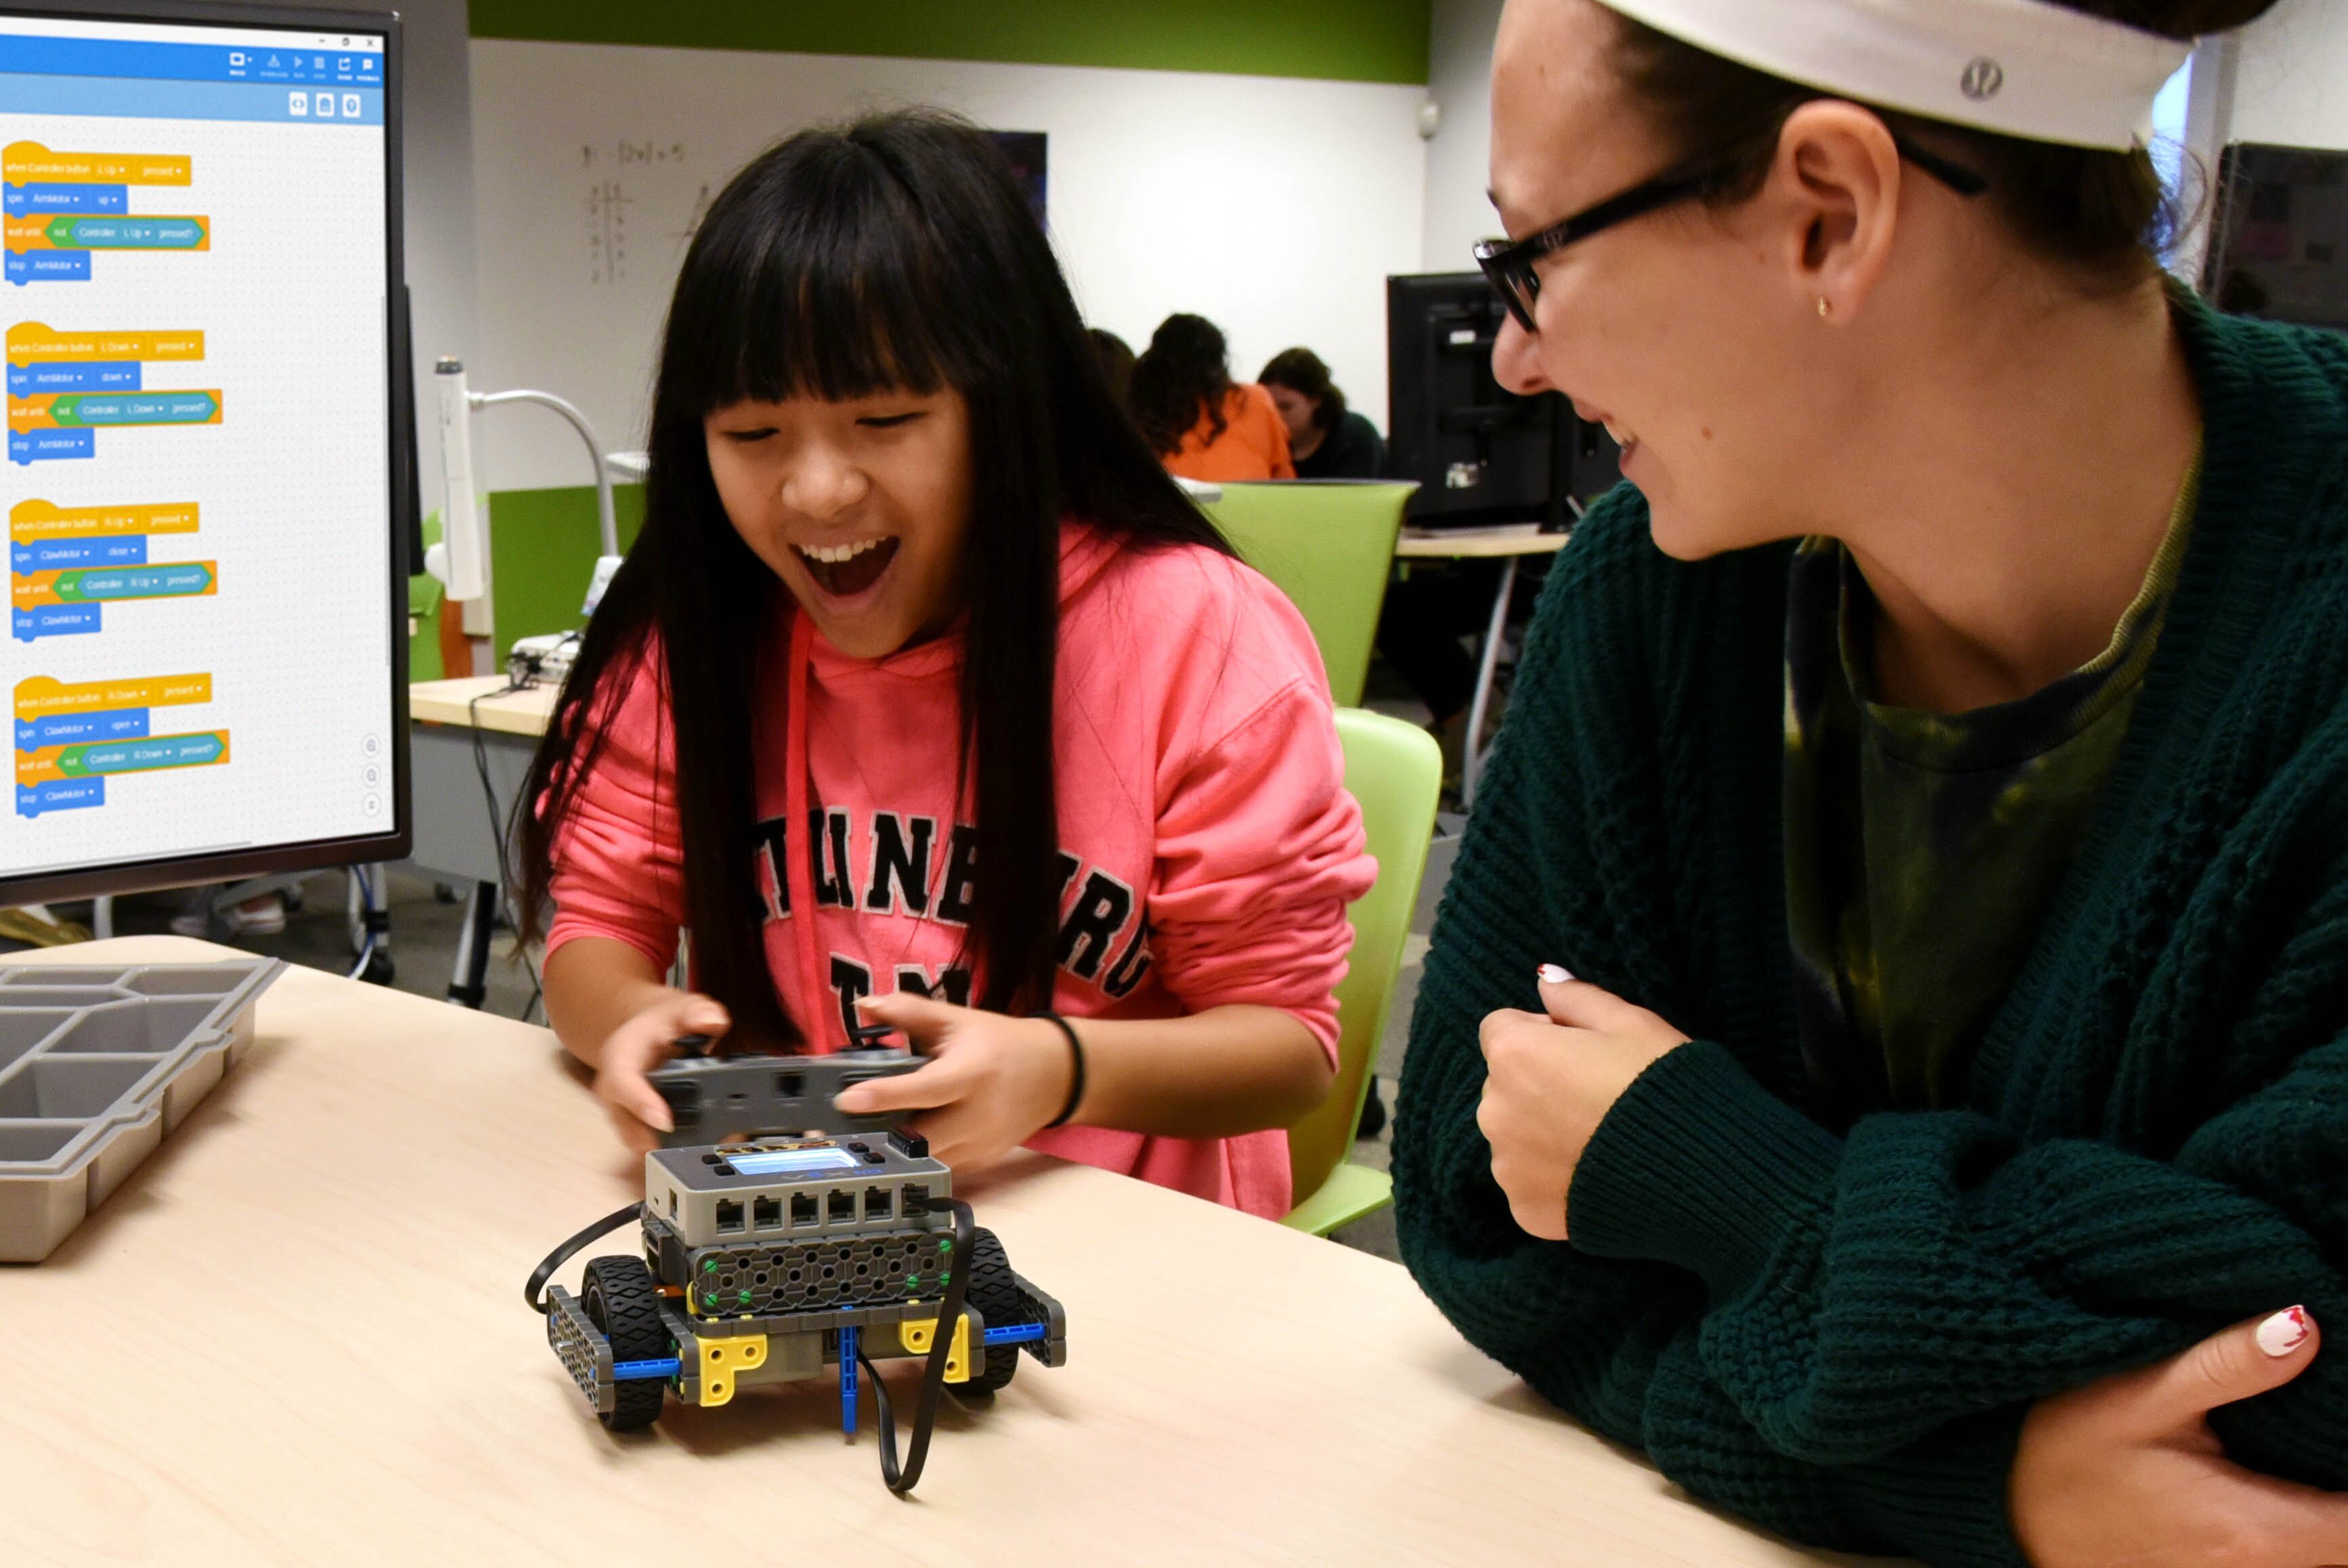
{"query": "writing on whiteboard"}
{"type": "Point", "coordinates": [609, 200]}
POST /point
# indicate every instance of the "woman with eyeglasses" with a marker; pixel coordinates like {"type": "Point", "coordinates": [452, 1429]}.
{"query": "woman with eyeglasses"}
{"type": "Point", "coordinates": [1884, 1050]}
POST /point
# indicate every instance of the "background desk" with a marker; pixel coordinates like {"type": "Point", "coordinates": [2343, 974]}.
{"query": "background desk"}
{"type": "Point", "coordinates": [1510, 542]}
{"type": "Point", "coordinates": [454, 839]}
{"type": "Point", "coordinates": [296, 1337]}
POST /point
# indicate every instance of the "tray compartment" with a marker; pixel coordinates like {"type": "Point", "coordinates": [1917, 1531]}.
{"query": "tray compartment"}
{"type": "Point", "coordinates": [35, 1142]}
{"type": "Point", "coordinates": [20, 1032]}
{"type": "Point", "coordinates": [186, 980]}
{"type": "Point", "coordinates": [98, 1065]}
{"type": "Point", "coordinates": [77, 1088]}
{"type": "Point", "coordinates": [143, 1027]}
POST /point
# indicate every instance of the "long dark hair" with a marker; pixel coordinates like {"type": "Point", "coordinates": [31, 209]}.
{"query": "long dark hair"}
{"type": "Point", "coordinates": [1185, 370]}
{"type": "Point", "coordinates": [895, 252]}
{"type": "Point", "coordinates": [2102, 213]}
{"type": "Point", "coordinates": [1302, 372]}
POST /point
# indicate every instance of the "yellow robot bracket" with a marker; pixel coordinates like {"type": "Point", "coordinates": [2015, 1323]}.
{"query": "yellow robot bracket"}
{"type": "Point", "coordinates": [723, 1359]}
{"type": "Point", "coordinates": [916, 1337]}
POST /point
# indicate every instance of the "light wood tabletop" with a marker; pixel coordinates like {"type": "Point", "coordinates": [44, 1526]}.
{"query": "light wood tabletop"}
{"type": "Point", "coordinates": [513, 713]}
{"type": "Point", "coordinates": [296, 1336]}
{"type": "Point", "coordinates": [1469, 543]}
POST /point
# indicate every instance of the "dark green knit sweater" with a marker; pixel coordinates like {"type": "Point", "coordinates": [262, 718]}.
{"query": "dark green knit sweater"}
{"type": "Point", "coordinates": [1834, 1326]}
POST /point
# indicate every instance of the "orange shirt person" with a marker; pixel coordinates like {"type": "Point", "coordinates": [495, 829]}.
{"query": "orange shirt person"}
{"type": "Point", "coordinates": [1202, 424]}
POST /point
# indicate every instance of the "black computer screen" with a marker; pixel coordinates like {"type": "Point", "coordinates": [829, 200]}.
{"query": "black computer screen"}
{"type": "Point", "coordinates": [1480, 454]}
{"type": "Point", "coordinates": [2279, 247]}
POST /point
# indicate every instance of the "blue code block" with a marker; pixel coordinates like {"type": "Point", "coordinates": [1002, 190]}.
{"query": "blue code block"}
{"type": "Point", "coordinates": [59, 795]}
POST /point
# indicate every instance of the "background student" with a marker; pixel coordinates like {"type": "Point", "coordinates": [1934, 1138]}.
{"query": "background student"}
{"type": "Point", "coordinates": [909, 737]}
{"type": "Point", "coordinates": [1202, 424]}
{"type": "Point", "coordinates": [1326, 440]}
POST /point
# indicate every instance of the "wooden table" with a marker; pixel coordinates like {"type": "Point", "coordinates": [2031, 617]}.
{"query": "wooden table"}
{"type": "Point", "coordinates": [455, 812]}
{"type": "Point", "coordinates": [523, 712]}
{"type": "Point", "coordinates": [296, 1336]}
{"type": "Point", "coordinates": [1510, 542]}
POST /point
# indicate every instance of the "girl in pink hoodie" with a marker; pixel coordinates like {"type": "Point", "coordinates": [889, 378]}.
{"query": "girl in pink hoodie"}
{"type": "Point", "coordinates": [924, 699]}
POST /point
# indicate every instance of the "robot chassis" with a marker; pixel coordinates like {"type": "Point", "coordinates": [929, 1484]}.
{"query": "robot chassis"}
{"type": "Point", "coordinates": [804, 1243]}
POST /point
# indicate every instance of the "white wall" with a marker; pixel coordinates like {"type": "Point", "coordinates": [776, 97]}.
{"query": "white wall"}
{"type": "Point", "coordinates": [1460, 79]}
{"type": "Point", "coordinates": [2291, 83]}
{"type": "Point", "coordinates": [1275, 207]}
{"type": "Point", "coordinates": [437, 166]}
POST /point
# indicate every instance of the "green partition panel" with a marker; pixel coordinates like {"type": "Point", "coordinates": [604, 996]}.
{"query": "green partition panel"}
{"type": "Point", "coordinates": [426, 599]}
{"type": "Point", "coordinates": [542, 550]}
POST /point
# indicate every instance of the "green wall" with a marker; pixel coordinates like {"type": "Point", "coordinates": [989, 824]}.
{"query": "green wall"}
{"type": "Point", "coordinates": [1341, 40]}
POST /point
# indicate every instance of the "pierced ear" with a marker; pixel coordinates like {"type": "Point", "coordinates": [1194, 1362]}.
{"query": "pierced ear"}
{"type": "Point", "coordinates": [1841, 173]}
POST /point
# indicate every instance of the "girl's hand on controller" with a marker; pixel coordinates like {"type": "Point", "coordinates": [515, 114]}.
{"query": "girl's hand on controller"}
{"type": "Point", "coordinates": [633, 1050]}
{"type": "Point", "coordinates": [992, 1082]}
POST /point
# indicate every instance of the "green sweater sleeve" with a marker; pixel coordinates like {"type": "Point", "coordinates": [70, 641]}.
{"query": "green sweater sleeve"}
{"type": "Point", "coordinates": [1863, 1291]}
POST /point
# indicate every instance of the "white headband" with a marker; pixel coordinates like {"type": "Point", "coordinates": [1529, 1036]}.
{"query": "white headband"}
{"type": "Point", "coordinates": [2025, 68]}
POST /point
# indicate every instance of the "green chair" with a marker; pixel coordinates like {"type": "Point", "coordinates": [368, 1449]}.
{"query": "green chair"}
{"type": "Point", "coordinates": [1329, 546]}
{"type": "Point", "coordinates": [1395, 769]}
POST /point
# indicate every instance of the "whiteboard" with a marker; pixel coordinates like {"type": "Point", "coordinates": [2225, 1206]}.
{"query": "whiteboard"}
{"type": "Point", "coordinates": [1275, 207]}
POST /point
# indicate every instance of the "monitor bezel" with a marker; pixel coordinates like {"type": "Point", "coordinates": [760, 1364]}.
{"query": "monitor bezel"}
{"type": "Point", "coordinates": [310, 854]}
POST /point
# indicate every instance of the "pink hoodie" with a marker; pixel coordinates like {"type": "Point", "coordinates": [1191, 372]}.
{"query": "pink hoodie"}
{"type": "Point", "coordinates": [1208, 844]}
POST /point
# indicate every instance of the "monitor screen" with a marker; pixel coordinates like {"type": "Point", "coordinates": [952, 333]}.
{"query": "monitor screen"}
{"type": "Point", "coordinates": [208, 628]}
{"type": "Point", "coordinates": [1480, 454]}
{"type": "Point", "coordinates": [2280, 246]}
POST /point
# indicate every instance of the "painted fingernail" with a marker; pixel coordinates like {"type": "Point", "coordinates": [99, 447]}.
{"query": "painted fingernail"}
{"type": "Point", "coordinates": [1555, 974]}
{"type": "Point", "coordinates": [2285, 1332]}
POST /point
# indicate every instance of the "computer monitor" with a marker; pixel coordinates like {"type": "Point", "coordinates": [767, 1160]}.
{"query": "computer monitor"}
{"type": "Point", "coordinates": [207, 658]}
{"type": "Point", "coordinates": [1480, 454]}
{"type": "Point", "coordinates": [2279, 247]}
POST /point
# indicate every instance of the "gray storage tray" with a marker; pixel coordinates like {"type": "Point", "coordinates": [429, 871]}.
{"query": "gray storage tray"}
{"type": "Point", "coordinates": [97, 1063]}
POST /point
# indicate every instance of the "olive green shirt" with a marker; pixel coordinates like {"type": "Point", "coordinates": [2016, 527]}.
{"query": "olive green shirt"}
{"type": "Point", "coordinates": [1923, 849]}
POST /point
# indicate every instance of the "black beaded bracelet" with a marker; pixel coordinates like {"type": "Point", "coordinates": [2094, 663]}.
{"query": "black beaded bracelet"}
{"type": "Point", "coordinates": [1076, 1061]}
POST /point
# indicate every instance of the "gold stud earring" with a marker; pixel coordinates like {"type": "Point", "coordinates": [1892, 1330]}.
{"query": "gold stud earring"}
{"type": "Point", "coordinates": [1826, 308]}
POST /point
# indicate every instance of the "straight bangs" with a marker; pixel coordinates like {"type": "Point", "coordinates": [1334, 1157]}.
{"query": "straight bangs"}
{"type": "Point", "coordinates": [825, 279]}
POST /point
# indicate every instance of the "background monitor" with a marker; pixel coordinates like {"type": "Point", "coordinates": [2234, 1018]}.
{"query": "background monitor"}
{"type": "Point", "coordinates": [1480, 454]}
{"type": "Point", "coordinates": [207, 486]}
{"type": "Point", "coordinates": [2279, 247]}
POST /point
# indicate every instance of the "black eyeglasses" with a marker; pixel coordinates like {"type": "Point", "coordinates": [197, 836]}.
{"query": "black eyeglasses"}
{"type": "Point", "coordinates": [1510, 266]}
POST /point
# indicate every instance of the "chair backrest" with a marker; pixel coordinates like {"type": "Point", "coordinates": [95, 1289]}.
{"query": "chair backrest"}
{"type": "Point", "coordinates": [1330, 548]}
{"type": "Point", "coordinates": [1396, 770]}
{"type": "Point", "coordinates": [542, 549]}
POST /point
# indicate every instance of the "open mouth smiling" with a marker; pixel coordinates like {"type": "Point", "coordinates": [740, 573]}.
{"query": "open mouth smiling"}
{"type": "Point", "coordinates": [844, 571]}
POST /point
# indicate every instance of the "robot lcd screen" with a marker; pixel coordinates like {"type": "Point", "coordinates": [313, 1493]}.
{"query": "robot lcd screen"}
{"type": "Point", "coordinates": [792, 1161]}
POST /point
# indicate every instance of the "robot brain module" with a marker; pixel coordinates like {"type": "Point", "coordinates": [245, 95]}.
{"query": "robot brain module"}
{"type": "Point", "coordinates": [806, 1244]}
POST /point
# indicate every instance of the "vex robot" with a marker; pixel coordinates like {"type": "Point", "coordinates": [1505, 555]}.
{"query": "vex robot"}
{"type": "Point", "coordinates": [804, 1244]}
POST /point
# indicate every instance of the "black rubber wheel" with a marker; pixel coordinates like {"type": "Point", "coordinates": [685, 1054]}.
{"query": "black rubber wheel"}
{"type": "Point", "coordinates": [994, 1293]}
{"type": "Point", "coordinates": [379, 970]}
{"type": "Point", "coordinates": [621, 1299]}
